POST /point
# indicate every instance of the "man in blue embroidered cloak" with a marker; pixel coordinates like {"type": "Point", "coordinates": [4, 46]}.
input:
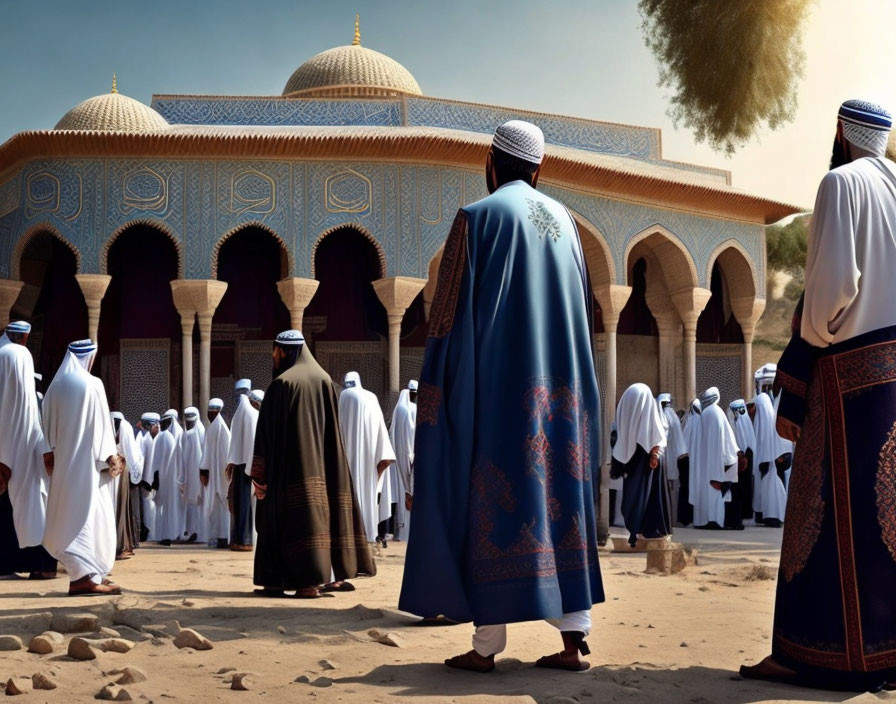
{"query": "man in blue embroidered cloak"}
{"type": "Point", "coordinates": [835, 611]}
{"type": "Point", "coordinates": [507, 441]}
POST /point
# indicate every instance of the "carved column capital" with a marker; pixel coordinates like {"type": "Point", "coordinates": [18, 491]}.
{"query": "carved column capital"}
{"type": "Point", "coordinates": [297, 294]}
{"type": "Point", "coordinates": [396, 293]}
{"type": "Point", "coordinates": [612, 299]}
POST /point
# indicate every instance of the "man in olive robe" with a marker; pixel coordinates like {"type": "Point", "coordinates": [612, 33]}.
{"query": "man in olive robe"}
{"type": "Point", "coordinates": [310, 534]}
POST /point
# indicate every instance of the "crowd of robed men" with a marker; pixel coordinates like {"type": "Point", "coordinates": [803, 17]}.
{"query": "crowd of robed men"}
{"type": "Point", "coordinates": [507, 439]}
{"type": "Point", "coordinates": [164, 483]}
{"type": "Point", "coordinates": [699, 467]}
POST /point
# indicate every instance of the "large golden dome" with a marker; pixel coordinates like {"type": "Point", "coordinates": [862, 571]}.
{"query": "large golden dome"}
{"type": "Point", "coordinates": [112, 112]}
{"type": "Point", "coordinates": [351, 71]}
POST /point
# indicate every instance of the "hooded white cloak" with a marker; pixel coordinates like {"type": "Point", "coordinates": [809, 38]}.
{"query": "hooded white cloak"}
{"type": "Point", "coordinates": [638, 422]}
{"type": "Point", "coordinates": [22, 444]}
{"type": "Point", "coordinates": [169, 502]}
{"type": "Point", "coordinates": [191, 443]}
{"type": "Point", "coordinates": [401, 434]}
{"type": "Point", "coordinates": [367, 444]}
{"type": "Point", "coordinates": [80, 531]}
{"type": "Point", "coordinates": [772, 494]}
{"type": "Point", "coordinates": [715, 450]}
{"type": "Point", "coordinates": [215, 459]}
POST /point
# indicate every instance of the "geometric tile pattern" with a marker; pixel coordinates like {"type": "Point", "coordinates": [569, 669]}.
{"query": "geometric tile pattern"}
{"type": "Point", "coordinates": [406, 208]}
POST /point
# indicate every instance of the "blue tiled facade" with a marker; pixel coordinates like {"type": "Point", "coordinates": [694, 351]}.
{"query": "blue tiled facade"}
{"type": "Point", "coordinates": [406, 209]}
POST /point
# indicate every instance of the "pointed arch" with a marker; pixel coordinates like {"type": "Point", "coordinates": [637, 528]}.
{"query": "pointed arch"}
{"type": "Point", "coordinates": [26, 238]}
{"type": "Point", "coordinates": [738, 269]}
{"type": "Point", "coordinates": [381, 253]}
{"type": "Point", "coordinates": [216, 250]}
{"type": "Point", "coordinates": [146, 222]}
{"type": "Point", "coordinates": [674, 259]}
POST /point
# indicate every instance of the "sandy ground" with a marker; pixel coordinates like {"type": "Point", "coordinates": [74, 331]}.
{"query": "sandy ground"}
{"type": "Point", "coordinates": [657, 639]}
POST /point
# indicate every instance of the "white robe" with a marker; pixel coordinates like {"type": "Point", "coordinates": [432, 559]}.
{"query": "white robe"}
{"type": "Point", "coordinates": [190, 455]}
{"type": "Point", "coordinates": [147, 443]}
{"type": "Point", "coordinates": [80, 531]}
{"type": "Point", "coordinates": [242, 444]}
{"type": "Point", "coordinates": [850, 287]}
{"type": "Point", "coordinates": [675, 444]}
{"type": "Point", "coordinates": [638, 422]}
{"type": "Point", "coordinates": [215, 459]}
{"type": "Point", "coordinates": [715, 450]}
{"type": "Point", "coordinates": [772, 494]}
{"type": "Point", "coordinates": [367, 444]}
{"type": "Point", "coordinates": [401, 434]}
{"type": "Point", "coordinates": [129, 448]}
{"type": "Point", "coordinates": [169, 501]}
{"type": "Point", "coordinates": [22, 444]}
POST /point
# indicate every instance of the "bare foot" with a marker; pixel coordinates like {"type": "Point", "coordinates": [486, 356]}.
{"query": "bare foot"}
{"type": "Point", "coordinates": [472, 661]}
{"type": "Point", "coordinates": [768, 670]}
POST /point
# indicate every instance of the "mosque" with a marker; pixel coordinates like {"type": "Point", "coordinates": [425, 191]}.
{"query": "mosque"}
{"type": "Point", "coordinates": [185, 234]}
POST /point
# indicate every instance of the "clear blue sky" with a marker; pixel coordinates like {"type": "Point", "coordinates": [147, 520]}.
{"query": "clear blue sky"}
{"type": "Point", "coordinates": [576, 57]}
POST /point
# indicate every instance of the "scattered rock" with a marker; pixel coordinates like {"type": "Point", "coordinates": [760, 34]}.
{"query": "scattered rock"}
{"type": "Point", "coordinates": [114, 645]}
{"type": "Point", "coordinates": [39, 680]}
{"type": "Point", "coordinates": [683, 645]}
{"type": "Point", "coordinates": [133, 634]}
{"type": "Point", "coordinates": [130, 675]}
{"type": "Point", "coordinates": [106, 632]}
{"type": "Point", "coordinates": [703, 589]}
{"type": "Point", "coordinates": [241, 682]}
{"type": "Point", "coordinates": [281, 629]}
{"type": "Point", "coordinates": [303, 679]}
{"type": "Point", "coordinates": [26, 623]}
{"type": "Point", "coordinates": [322, 682]}
{"type": "Point", "coordinates": [225, 670]}
{"type": "Point", "coordinates": [392, 639]}
{"type": "Point", "coordinates": [18, 685]}
{"type": "Point", "coordinates": [114, 693]}
{"type": "Point", "coordinates": [56, 637]}
{"type": "Point", "coordinates": [42, 645]}
{"type": "Point", "coordinates": [75, 622]}
{"type": "Point", "coordinates": [187, 602]}
{"type": "Point", "coordinates": [327, 665]}
{"type": "Point", "coordinates": [10, 643]}
{"type": "Point", "coordinates": [80, 649]}
{"type": "Point", "coordinates": [188, 638]}
{"type": "Point", "coordinates": [157, 630]}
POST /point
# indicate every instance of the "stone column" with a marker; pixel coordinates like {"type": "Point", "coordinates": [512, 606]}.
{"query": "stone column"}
{"type": "Point", "coordinates": [297, 294]}
{"type": "Point", "coordinates": [203, 297]}
{"type": "Point", "coordinates": [184, 304]}
{"type": "Point", "coordinates": [612, 299]}
{"type": "Point", "coordinates": [93, 287]}
{"type": "Point", "coordinates": [9, 292]}
{"type": "Point", "coordinates": [748, 310]}
{"type": "Point", "coordinates": [396, 294]}
{"type": "Point", "coordinates": [690, 303]}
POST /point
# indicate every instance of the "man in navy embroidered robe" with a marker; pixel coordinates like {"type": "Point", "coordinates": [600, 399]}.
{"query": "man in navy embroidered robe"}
{"type": "Point", "coordinates": [835, 612]}
{"type": "Point", "coordinates": [507, 441]}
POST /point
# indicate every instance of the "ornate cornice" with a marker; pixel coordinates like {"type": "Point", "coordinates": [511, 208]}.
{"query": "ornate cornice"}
{"type": "Point", "coordinates": [620, 178]}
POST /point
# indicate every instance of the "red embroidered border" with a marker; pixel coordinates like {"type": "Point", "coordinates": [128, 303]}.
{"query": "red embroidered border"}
{"type": "Point", "coordinates": [868, 366]}
{"type": "Point", "coordinates": [828, 375]}
{"type": "Point", "coordinates": [885, 491]}
{"type": "Point", "coordinates": [790, 383]}
{"type": "Point", "coordinates": [451, 272]}
{"type": "Point", "coordinates": [429, 400]}
{"type": "Point", "coordinates": [805, 505]}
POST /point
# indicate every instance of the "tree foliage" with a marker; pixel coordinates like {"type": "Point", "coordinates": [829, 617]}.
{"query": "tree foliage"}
{"type": "Point", "coordinates": [733, 65]}
{"type": "Point", "coordinates": [786, 245]}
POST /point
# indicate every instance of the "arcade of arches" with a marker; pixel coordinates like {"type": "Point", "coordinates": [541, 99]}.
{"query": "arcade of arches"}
{"type": "Point", "coordinates": [193, 337]}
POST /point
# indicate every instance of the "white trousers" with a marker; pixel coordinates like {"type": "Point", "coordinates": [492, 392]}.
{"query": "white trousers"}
{"type": "Point", "coordinates": [491, 640]}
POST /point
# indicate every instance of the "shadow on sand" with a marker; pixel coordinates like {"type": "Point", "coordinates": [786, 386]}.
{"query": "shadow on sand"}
{"type": "Point", "coordinates": [639, 682]}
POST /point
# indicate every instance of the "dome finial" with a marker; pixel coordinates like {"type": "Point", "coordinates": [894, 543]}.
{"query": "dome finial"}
{"type": "Point", "coordinates": [114, 83]}
{"type": "Point", "coordinates": [357, 40]}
